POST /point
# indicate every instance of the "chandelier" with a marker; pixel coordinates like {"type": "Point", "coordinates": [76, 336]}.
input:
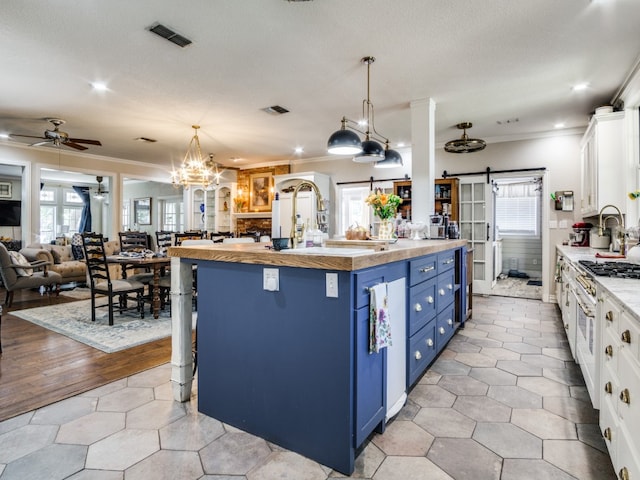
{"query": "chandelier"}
{"type": "Point", "coordinates": [346, 142]}
{"type": "Point", "coordinates": [195, 170]}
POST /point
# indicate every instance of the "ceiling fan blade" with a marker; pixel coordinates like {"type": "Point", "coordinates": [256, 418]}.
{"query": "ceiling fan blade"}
{"type": "Point", "coordinates": [80, 140]}
{"type": "Point", "coordinates": [25, 136]}
{"type": "Point", "coordinates": [74, 145]}
{"type": "Point", "coordinates": [38, 144]}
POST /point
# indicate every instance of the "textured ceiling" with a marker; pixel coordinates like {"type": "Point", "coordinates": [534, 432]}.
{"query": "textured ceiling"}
{"type": "Point", "coordinates": [481, 61]}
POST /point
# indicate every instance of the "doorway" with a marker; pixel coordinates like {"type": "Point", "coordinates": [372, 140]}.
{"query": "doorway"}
{"type": "Point", "coordinates": [517, 243]}
{"type": "Point", "coordinates": [502, 221]}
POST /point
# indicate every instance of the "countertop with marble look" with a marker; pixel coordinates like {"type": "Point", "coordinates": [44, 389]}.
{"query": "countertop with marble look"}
{"type": "Point", "coordinates": [334, 258]}
{"type": "Point", "coordinates": [626, 291]}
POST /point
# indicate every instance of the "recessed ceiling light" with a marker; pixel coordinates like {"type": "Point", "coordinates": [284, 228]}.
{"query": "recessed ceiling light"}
{"type": "Point", "coordinates": [4, 135]}
{"type": "Point", "coordinates": [298, 150]}
{"type": "Point", "coordinates": [558, 125]}
{"type": "Point", "coordinates": [580, 86]}
{"type": "Point", "coordinates": [99, 86]}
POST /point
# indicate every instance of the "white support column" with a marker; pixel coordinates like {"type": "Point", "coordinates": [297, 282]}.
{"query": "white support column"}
{"type": "Point", "coordinates": [423, 159]}
{"type": "Point", "coordinates": [181, 326]}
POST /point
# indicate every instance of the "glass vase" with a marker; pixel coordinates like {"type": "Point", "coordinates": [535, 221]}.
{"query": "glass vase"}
{"type": "Point", "coordinates": [385, 229]}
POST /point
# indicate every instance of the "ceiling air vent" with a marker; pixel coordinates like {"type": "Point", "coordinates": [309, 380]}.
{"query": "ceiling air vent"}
{"type": "Point", "coordinates": [276, 110]}
{"type": "Point", "coordinates": [170, 35]}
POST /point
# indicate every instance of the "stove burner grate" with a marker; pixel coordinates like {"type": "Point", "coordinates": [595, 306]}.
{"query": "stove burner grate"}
{"type": "Point", "coordinates": [612, 269]}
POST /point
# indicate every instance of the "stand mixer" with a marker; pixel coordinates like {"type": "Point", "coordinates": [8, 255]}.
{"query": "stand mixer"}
{"type": "Point", "coordinates": [580, 235]}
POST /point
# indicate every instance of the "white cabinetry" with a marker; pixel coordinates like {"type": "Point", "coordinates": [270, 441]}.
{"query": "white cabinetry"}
{"type": "Point", "coordinates": [206, 208]}
{"type": "Point", "coordinates": [603, 163]}
{"type": "Point", "coordinates": [620, 394]}
{"type": "Point", "coordinates": [223, 207]}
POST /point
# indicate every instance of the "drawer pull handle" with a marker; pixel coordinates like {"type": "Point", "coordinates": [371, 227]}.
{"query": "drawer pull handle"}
{"type": "Point", "coordinates": [441, 292]}
{"type": "Point", "coordinates": [624, 474]}
{"type": "Point", "coordinates": [429, 342]}
{"type": "Point", "coordinates": [450, 287]}
{"type": "Point", "coordinates": [625, 397]}
{"type": "Point", "coordinates": [441, 330]}
{"type": "Point", "coordinates": [608, 351]}
{"type": "Point", "coordinates": [608, 388]}
{"type": "Point", "coordinates": [609, 316]}
{"type": "Point", "coordinates": [607, 433]}
{"type": "Point", "coordinates": [626, 336]}
{"type": "Point", "coordinates": [450, 322]}
{"type": "Point", "coordinates": [418, 307]}
{"type": "Point", "coordinates": [427, 269]}
{"type": "Point", "coordinates": [429, 299]}
{"type": "Point", "coordinates": [418, 355]}
{"type": "Point", "coordinates": [448, 261]}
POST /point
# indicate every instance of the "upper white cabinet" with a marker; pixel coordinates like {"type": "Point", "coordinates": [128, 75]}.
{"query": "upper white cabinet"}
{"type": "Point", "coordinates": [210, 209]}
{"type": "Point", "coordinates": [603, 164]}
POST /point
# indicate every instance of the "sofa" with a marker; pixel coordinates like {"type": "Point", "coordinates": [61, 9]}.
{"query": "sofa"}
{"type": "Point", "coordinates": [63, 261]}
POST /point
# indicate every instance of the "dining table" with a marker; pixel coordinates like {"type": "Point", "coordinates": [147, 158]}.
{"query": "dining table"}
{"type": "Point", "coordinates": [157, 263]}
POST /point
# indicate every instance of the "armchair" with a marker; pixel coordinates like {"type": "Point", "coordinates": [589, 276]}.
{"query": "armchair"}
{"type": "Point", "coordinates": [13, 281]}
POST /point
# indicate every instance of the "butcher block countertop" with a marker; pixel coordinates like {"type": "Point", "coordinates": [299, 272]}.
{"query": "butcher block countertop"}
{"type": "Point", "coordinates": [329, 258]}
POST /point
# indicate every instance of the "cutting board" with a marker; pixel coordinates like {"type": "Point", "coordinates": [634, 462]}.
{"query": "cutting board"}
{"type": "Point", "coordinates": [377, 245]}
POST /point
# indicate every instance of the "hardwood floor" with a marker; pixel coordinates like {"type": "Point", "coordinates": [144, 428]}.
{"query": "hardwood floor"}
{"type": "Point", "coordinates": [39, 367]}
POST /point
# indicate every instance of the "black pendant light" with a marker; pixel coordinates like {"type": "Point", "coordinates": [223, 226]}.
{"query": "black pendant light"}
{"type": "Point", "coordinates": [465, 144]}
{"type": "Point", "coordinates": [346, 142]}
{"type": "Point", "coordinates": [391, 159]}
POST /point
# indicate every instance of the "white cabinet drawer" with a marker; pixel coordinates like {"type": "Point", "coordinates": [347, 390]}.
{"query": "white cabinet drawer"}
{"type": "Point", "coordinates": [627, 454]}
{"type": "Point", "coordinates": [629, 335]}
{"type": "Point", "coordinates": [609, 426]}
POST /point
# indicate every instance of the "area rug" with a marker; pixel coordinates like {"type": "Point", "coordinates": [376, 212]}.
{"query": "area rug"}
{"type": "Point", "coordinates": [79, 293]}
{"type": "Point", "coordinates": [74, 321]}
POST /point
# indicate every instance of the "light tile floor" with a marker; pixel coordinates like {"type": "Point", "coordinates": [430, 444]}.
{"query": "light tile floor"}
{"type": "Point", "coordinates": [503, 401]}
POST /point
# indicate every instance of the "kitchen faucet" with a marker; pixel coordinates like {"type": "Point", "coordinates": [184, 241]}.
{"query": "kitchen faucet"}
{"type": "Point", "coordinates": [296, 235]}
{"type": "Point", "coordinates": [621, 232]}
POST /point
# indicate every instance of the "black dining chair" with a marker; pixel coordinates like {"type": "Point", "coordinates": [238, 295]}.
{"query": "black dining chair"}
{"type": "Point", "coordinates": [100, 281]}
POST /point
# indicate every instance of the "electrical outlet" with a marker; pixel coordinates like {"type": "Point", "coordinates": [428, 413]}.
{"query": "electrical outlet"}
{"type": "Point", "coordinates": [332, 285]}
{"type": "Point", "coordinates": [271, 279]}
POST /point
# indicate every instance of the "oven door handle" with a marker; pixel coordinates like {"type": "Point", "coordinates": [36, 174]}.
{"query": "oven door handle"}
{"type": "Point", "coordinates": [588, 311]}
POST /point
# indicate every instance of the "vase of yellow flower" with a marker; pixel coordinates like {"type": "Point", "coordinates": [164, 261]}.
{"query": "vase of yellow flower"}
{"type": "Point", "coordinates": [385, 207]}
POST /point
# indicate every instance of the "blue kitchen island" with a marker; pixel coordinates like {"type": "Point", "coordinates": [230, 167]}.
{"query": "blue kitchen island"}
{"type": "Point", "coordinates": [283, 337]}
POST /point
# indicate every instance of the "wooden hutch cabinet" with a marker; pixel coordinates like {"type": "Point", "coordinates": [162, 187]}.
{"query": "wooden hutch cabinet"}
{"type": "Point", "coordinates": [446, 197]}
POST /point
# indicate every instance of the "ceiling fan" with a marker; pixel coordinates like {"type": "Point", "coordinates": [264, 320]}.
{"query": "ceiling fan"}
{"type": "Point", "coordinates": [58, 137]}
{"type": "Point", "coordinates": [101, 191]}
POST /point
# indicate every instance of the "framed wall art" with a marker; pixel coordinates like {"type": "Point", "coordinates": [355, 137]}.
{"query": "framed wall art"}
{"type": "Point", "coordinates": [142, 211]}
{"type": "Point", "coordinates": [260, 192]}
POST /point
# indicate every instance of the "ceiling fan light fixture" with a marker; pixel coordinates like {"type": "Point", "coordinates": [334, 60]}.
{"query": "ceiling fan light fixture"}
{"type": "Point", "coordinates": [465, 144]}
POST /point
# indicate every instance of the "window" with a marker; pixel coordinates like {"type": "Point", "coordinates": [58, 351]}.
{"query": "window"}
{"type": "Point", "coordinates": [518, 208]}
{"type": "Point", "coordinates": [60, 212]}
{"type": "Point", "coordinates": [126, 216]}
{"type": "Point", "coordinates": [47, 223]}
{"type": "Point", "coordinates": [353, 210]}
{"type": "Point", "coordinates": [171, 214]}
